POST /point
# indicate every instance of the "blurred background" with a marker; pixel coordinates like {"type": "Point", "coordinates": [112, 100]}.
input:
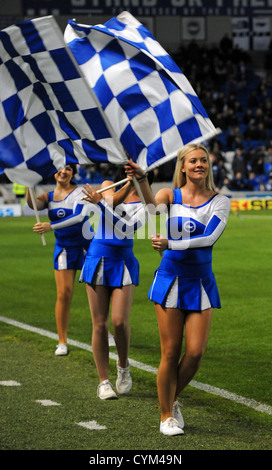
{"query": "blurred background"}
{"type": "Point", "coordinates": [224, 50]}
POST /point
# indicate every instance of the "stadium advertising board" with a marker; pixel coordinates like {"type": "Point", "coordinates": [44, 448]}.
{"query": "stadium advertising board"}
{"type": "Point", "coordinates": [10, 210]}
{"type": "Point", "coordinates": [256, 204]}
{"type": "Point", "coordinates": [149, 7]}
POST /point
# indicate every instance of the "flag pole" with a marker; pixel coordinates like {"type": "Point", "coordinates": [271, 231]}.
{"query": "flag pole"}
{"type": "Point", "coordinates": [139, 191]}
{"type": "Point", "coordinates": [113, 185]}
{"type": "Point", "coordinates": [32, 195]}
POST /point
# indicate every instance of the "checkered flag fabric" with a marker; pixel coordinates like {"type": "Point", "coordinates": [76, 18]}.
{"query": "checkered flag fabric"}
{"type": "Point", "coordinates": [49, 115]}
{"type": "Point", "coordinates": [151, 105]}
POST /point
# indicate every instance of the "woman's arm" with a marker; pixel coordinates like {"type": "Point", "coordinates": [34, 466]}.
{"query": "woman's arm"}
{"type": "Point", "coordinates": [120, 195]}
{"type": "Point", "coordinates": [125, 226]}
{"type": "Point", "coordinates": [41, 201]}
{"type": "Point", "coordinates": [111, 196]}
{"type": "Point", "coordinates": [214, 229]}
{"type": "Point", "coordinates": [80, 212]}
{"type": "Point", "coordinates": [164, 197]}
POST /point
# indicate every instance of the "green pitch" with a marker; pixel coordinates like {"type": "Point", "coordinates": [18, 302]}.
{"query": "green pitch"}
{"type": "Point", "coordinates": [238, 359]}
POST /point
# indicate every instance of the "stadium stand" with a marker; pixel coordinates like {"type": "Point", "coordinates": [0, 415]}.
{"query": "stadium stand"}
{"type": "Point", "coordinates": [238, 101]}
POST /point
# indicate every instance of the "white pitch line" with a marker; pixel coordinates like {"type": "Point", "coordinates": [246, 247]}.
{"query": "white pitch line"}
{"type": "Point", "coordinates": [92, 425]}
{"type": "Point", "coordinates": [10, 383]}
{"type": "Point", "coordinates": [48, 403]}
{"type": "Point", "coordinates": [262, 408]}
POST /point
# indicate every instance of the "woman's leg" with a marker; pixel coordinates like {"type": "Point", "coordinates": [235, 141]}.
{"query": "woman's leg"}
{"type": "Point", "coordinates": [171, 323]}
{"type": "Point", "coordinates": [197, 328]}
{"type": "Point", "coordinates": [121, 303]}
{"type": "Point", "coordinates": [65, 287]}
{"type": "Point", "coordinates": [99, 300]}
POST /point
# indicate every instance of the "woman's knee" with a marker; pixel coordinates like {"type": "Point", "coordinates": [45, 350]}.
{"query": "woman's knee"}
{"type": "Point", "coordinates": [120, 324]}
{"type": "Point", "coordinates": [171, 354]}
{"type": "Point", "coordinates": [100, 328]}
{"type": "Point", "coordinates": [194, 358]}
{"type": "Point", "coordinates": [64, 295]}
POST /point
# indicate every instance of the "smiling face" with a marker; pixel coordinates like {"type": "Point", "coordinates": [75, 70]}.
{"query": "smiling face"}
{"type": "Point", "coordinates": [65, 174]}
{"type": "Point", "coordinates": [193, 163]}
{"type": "Point", "coordinates": [196, 165]}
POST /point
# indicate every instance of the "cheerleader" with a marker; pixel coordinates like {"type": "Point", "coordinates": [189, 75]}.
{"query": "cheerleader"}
{"type": "Point", "coordinates": [184, 288]}
{"type": "Point", "coordinates": [111, 272]}
{"type": "Point", "coordinates": [69, 219]}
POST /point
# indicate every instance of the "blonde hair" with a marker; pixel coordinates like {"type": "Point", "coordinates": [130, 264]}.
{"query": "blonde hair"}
{"type": "Point", "coordinates": [180, 176]}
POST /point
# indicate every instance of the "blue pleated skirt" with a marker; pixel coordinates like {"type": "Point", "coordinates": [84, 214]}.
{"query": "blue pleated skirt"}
{"type": "Point", "coordinates": [114, 260]}
{"type": "Point", "coordinates": [68, 257]}
{"type": "Point", "coordinates": [192, 284]}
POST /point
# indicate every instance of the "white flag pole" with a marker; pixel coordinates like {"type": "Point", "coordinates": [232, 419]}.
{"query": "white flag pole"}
{"type": "Point", "coordinates": [33, 199]}
{"type": "Point", "coordinates": [139, 191]}
{"type": "Point", "coordinates": [113, 185]}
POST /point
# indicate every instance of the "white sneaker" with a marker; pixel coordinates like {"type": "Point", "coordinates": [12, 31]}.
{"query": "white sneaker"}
{"type": "Point", "coordinates": [111, 340]}
{"type": "Point", "coordinates": [170, 427]}
{"type": "Point", "coordinates": [105, 391]}
{"type": "Point", "coordinates": [124, 380]}
{"type": "Point", "coordinates": [177, 414]}
{"type": "Point", "coordinates": [61, 350]}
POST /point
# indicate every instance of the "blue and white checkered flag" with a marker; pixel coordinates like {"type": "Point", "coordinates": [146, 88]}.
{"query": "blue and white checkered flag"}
{"type": "Point", "coordinates": [151, 105]}
{"type": "Point", "coordinates": [49, 115]}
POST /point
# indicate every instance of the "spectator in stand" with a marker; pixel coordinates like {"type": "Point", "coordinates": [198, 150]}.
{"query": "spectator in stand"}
{"type": "Point", "coordinates": [262, 91]}
{"type": "Point", "coordinates": [268, 186]}
{"type": "Point", "coordinates": [234, 138]}
{"type": "Point", "coordinates": [216, 148]}
{"type": "Point", "coordinates": [238, 163]}
{"type": "Point", "coordinates": [259, 116]}
{"type": "Point", "coordinates": [220, 71]}
{"type": "Point", "coordinates": [226, 186]}
{"type": "Point", "coordinates": [248, 117]}
{"type": "Point", "coordinates": [219, 101]}
{"type": "Point", "coordinates": [253, 101]}
{"type": "Point", "coordinates": [226, 44]}
{"type": "Point", "coordinates": [257, 163]}
{"type": "Point", "coordinates": [242, 73]}
{"type": "Point", "coordinates": [240, 183]}
{"type": "Point", "coordinates": [249, 157]}
{"type": "Point", "coordinates": [219, 172]}
{"type": "Point", "coordinates": [231, 118]}
{"type": "Point", "coordinates": [267, 110]}
{"type": "Point", "coordinates": [219, 121]}
{"type": "Point", "coordinates": [268, 153]}
{"type": "Point", "coordinates": [261, 133]}
{"type": "Point", "coordinates": [250, 132]}
{"type": "Point", "coordinates": [232, 101]}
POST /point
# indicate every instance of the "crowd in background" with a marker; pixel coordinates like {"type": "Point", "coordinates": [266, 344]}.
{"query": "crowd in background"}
{"type": "Point", "coordinates": [238, 101]}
